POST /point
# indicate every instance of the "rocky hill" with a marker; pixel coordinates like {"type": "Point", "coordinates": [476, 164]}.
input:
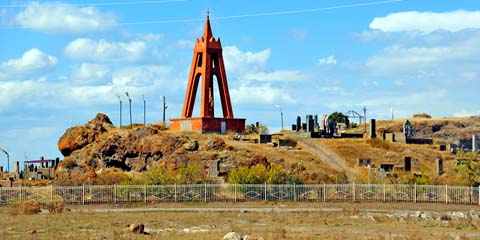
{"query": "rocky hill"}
{"type": "Point", "coordinates": [98, 145]}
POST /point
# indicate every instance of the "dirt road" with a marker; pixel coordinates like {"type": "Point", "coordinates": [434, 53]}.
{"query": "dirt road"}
{"type": "Point", "coordinates": [329, 157]}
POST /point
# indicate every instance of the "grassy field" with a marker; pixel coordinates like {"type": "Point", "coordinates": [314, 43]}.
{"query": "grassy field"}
{"type": "Point", "coordinates": [269, 220]}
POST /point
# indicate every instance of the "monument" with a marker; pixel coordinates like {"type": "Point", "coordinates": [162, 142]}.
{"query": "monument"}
{"type": "Point", "coordinates": [207, 65]}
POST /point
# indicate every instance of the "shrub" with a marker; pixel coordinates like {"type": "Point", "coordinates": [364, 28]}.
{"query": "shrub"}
{"type": "Point", "coordinates": [28, 207]}
{"type": "Point", "coordinates": [260, 174]}
{"type": "Point", "coordinates": [55, 207]}
{"type": "Point", "coordinates": [421, 115]}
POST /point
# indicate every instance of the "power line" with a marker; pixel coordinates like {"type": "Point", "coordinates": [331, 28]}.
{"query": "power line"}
{"type": "Point", "coordinates": [91, 4]}
{"type": "Point", "coordinates": [263, 14]}
{"type": "Point", "coordinates": [235, 16]}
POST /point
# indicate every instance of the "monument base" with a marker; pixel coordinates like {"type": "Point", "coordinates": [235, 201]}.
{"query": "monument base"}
{"type": "Point", "coordinates": [208, 125]}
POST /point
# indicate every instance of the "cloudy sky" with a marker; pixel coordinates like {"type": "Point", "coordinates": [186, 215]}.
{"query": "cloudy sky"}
{"type": "Point", "coordinates": [62, 62]}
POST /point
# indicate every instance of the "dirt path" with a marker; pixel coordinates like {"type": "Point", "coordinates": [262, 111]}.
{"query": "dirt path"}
{"type": "Point", "coordinates": [329, 157]}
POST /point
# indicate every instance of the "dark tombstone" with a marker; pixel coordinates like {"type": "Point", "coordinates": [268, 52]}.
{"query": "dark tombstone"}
{"type": "Point", "coordinates": [373, 133]}
{"type": "Point", "coordinates": [16, 167]}
{"type": "Point", "coordinates": [387, 167]}
{"type": "Point", "coordinates": [443, 147]}
{"type": "Point", "coordinates": [304, 126]}
{"type": "Point", "coordinates": [363, 162]}
{"type": "Point", "coordinates": [265, 138]}
{"type": "Point", "coordinates": [285, 143]}
{"type": "Point", "coordinates": [1, 169]}
{"type": "Point", "coordinates": [316, 121]}
{"type": "Point", "coordinates": [294, 127]}
{"type": "Point", "coordinates": [310, 124]}
{"type": "Point", "coordinates": [407, 129]}
{"type": "Point", "coordinates": [452, 148]}
{"type": "Point", "coordinates": [257, 125]}
{"type": "Point", "coordinates": [439, 166]}
{"type": "Point", "coordinates": [57, 161]}
{"type": "Point", "coordinates": [408, 164]}
{"type": "Point", "coordinates": [299, 123]}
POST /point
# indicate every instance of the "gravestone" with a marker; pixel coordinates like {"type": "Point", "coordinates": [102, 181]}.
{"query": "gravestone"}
{"type": "Point", "coordinates": [265, 138]}
{"type": "Point", "coordinates": [214, 168]}
{"type": "Point", "coordinates": [322, 123]}
{"type": "Point", "coordinates": [363, 162]}
{"type": "Point", "coordinates": [316, 121]}
{"type": "Point", "coordinates": [299, 123]}
{"type": "Point", "coordinates": [387, 167]}
{"type": "Point", "coordinates": [373, 133]}
{"type": "Point", "coordinates": [310, 124]}
{"type": "Point", "coordinates": [474, 143]}
{"type": "Point", "coordinates": [294, 127]}
{"type": "Point", "coordinates": [304, 126]}
{"type": "Point", "coordinates": [408, 164]}
{"type": "Point", "coordinates": [439, 166]}
{"type": "Point", "coordinates": [442, 147]}
{"type": "Point", "coordinates": [407, 129]}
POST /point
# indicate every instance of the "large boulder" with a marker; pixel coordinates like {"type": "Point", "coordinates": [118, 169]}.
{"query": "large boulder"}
{"type": "Point", "coordinates": [77, 137]}
{"type": "Point", "coordinates": [232, 236]}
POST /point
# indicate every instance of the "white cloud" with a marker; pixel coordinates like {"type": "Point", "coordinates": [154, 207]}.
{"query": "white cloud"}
{"type": "Point", "coordinates": [276, 76]}
{"type": "Point", "coordinates": [64, 18]}
{"type": "Point", "coordinates": [104, 51]}
{"type": "Point", "coordinates": [467, 113]}
{"type": "Point", "coordinates": [299, 34]}
{"type": "Point", "coordinates": [470, 76]}
{"type": "Point", "coordinates": [427, 22]}
{"type": "Point", "coordinates": [144, 76]}
{"type": "Point", "coordinates": [237, 61]}
{"type": "Point", "coordinates": [184, 44]}
{"type": "Point", "coordinates": [260, 94]}
{"type": "Point", "coordinates": [399, 58]}
{"type": "Point", "coordinates": [33, 61]}
{"type": "Point", "coordinates": [330, 60]}
{"type": "Point", "coordinates": [424, 98]}
{"type": "Point", "coordinates": [89, 73]}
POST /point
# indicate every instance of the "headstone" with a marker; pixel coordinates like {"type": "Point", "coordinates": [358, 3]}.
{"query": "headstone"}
{"type": "Point", "coordinates": [363, 162]}
{"type": "Point", "coordinates": [373, 133]}
{"type": "Point", "coordinates": [304, 126]}
{"type": "Point", "coordinates": [442, 147]}
{"type": "Point", "coordinates": [285, 143]}
{"type": "Point", "coordinates": [16, 167]}
{"type": "Point", "coordinates": [322, 123]}
{"type": "Point", "coordinates": [214, 168]}
{"type": "Point", "coordinates": [474, 143]}
{"type": "Point", "coordinates": [439, 166]}
{"type": "Point", "coordinates": [310, 124]}
{"type": "Point", "coordinates": [299, 123]}
{"type": "Point", "coordinates": [408, 164]}
{"type": "Point", "coordinates": [407, 129]}
{"type": "Point", "coordinates": [265, 138]}
{"type": "Point", "coordinates": [294, 127]}
{"type": "Point", "coordinates": [452, 147]}
{"type": "Point", "coordinates": [1, 169]}
{"type": "Point", "coordinates": [387, 167]}
{"type": "Point", "coordinates": [316, 121]}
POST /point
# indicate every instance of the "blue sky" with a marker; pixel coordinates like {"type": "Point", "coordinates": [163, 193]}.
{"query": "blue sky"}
{"type": "Point", "coordinates": [62, 62]}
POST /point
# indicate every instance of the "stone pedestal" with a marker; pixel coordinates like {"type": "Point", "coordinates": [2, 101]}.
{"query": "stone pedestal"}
{"type": "Point", "coordinates": [208, 125]}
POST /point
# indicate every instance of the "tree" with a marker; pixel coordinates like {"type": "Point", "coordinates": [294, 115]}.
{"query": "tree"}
{"type": "Point", "coordinates": [337, 117]}
{"type": "Point", "coordinates": [469, 167]}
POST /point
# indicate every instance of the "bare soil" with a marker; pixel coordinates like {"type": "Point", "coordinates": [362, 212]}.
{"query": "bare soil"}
{"type": "Point", "coordinates": [268, 220]}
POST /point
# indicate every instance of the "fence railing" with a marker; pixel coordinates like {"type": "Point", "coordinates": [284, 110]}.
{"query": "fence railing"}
{"type": "Point", "coordinates": [119, 194]}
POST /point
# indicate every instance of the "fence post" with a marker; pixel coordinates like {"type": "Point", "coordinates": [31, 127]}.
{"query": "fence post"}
{"type": "Point", "coordinates": [294, 192]}
{"type": "Point", "coordinates": [265, 197]}
{"type": "Point", "coordinates": [205, 192]}
{"type": "Point", "coordinates": [145, 192]}
{"type": "Point", "coordinates": [51, 193]}
{"type": "Point", "coordinates": [175, 192]}
{"type": "Point", "coordinates": [83, 194]}
{"type": "Point", "coordinates": [446, 194]}
{"type": "Point", "coordinates": [235, 191]}
{"type": "Point", "coordinates": [115, 194]}
{"type": "Point", "coordinates": [415, 195]}
{"type": "Point", "coordinates": [384, 193]}
{"type": "Point", "coordinates": [354, 194]}
{"type": "Point", "coordinates": [324, 193]}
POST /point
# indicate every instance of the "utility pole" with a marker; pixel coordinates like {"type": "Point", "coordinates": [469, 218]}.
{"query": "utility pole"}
{"type": "Point", "coordinates": [281, 114]}
{"type": "Point", "coordinates": [144, 110]}
{"type": "Point", "coordinates": [365, 117]}
{"type": "Point", "coordinates": [120, 100]}
{"type": "Point", "coordinates": [164, 108]}
{"type": "Point", "coordinates": [130, 106]}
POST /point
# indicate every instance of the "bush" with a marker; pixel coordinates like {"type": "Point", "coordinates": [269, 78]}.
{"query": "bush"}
{"type": "Point", "coordinates": [55, 207]}
{"type": "Point", "coordinates": [260, 174]}
{"type": "Point", "coordinates": [28, 207]}
{"type": "Point", "coordinates": [421, 115]}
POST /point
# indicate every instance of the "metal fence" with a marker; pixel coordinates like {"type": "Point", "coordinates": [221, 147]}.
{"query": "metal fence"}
{"type": "Point", "coordinates": [119, 194]}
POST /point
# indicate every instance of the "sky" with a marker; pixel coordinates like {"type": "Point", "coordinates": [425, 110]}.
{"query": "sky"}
{"type": "Point", "coordinates": [63, 62]}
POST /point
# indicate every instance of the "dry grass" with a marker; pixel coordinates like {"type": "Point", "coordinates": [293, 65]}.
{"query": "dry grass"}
{"type": "Point", "coordinates": [342, 221]}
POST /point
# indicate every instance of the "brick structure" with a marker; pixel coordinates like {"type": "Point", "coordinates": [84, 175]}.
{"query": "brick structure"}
{"type": "Point", "coordinates": [207, 63]}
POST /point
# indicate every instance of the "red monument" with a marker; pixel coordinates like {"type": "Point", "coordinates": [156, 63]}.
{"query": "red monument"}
{"type": "Point", "coordinates": [207, 63]}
